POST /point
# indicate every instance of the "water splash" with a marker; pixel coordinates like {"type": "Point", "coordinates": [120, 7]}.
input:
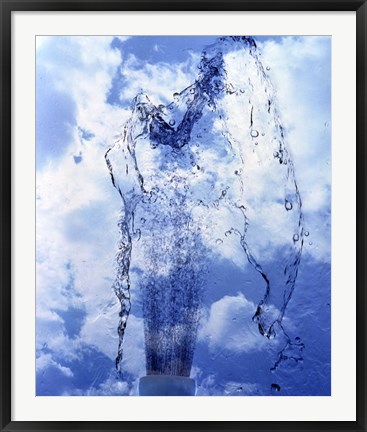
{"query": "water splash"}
{"type": "Point", "coordinates": [291, 354]}
{"type": "Point", "coordinates": [180, 167]}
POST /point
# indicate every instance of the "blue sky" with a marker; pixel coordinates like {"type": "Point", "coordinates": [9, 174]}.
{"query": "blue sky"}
{"type": "Point", "coordinates": [85, 86]}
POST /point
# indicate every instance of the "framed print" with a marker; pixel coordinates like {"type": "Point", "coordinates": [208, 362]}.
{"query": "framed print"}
{"type": "Point", "coordinates": [183, 215]}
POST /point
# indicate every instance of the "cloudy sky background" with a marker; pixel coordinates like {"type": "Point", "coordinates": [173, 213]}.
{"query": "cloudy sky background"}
{"type": "Point", "coordinates": [85, 86]}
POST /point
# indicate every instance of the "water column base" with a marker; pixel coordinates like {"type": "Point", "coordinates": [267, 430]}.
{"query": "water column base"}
{"type": "Point", "coordinates": [166, 385]}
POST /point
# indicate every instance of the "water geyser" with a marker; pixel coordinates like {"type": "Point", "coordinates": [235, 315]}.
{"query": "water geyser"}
{"type": "Point", "coordinates": [188, 174]}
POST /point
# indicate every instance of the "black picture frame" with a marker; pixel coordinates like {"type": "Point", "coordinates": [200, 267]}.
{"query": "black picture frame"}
{"type": "Point", "coordinates": [6, 9]}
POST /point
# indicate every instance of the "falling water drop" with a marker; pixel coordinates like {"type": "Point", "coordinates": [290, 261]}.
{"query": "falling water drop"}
{"type": "Point", "coordinates": [275, 387]}
{"type": "Point", "coordinates": [172, 122]}
{"type": "Point", "coordinates": [288, 205]}
{"type": "Point", "coordinates": [254, 133]}
{"type": "Point", "coordinates": [295, 237]}
{"type": "Point", "coordinates": [137, 234]}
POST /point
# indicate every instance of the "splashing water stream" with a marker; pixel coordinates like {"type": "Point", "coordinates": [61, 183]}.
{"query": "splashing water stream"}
{"type": "Point", "coordinates": [191, 174]}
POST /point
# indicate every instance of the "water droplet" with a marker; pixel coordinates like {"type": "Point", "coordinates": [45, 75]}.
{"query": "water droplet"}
{"type": "Point", "coordinates": [254, 133]}
{"type": "Point", "coordinates": [172, 122]}
{"type": "Point", "coordinates": [192, 91]}
{"type": "Point", "coordinates": [310, 243]}
{"type": "Point", "coordinates": [288, 205]}
{"type": "Point", "coordinates": [275, 387]}
{"type": "Point", "coordinates": [276, 154]}
{"type": "Point", "coordinates": [295, 237]}
{"type": "Point", "coordinates": [137, 234]}
{"type": "Point", "coordinates": [307, 233]}
{"type": "Point", "coordinates": [176, 96]}
{"type": "Point", "coordinates": [268, 68]}
{"type": "Point", "coordinates": [219, 241]}
{"type": "Point", "coordinates": [227, 233]}
{"type": "Point", "coordinates": [142, 220]}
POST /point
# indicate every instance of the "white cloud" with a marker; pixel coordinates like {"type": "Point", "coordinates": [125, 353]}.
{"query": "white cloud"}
{"type": "Point", "coordinates": [45, 361]}
{"type": "Point", "coordinates": [160, 80]}
{"type": "Point", "coordinates": [229, 326]}
{"type": "Point", "coordinates": [300, 69]}
{"type": "Point", "coordinates": [83, 68]}
{"type": "Point", "coordinates": [77, 206]}
{"type": "Point", "coordinates": [123, 38]}
{"type": "Point", "coordinates": [100, 330]}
